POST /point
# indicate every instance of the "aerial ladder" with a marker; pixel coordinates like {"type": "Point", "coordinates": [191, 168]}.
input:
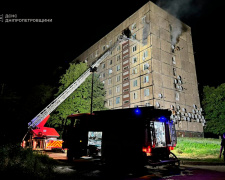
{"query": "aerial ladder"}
{"type": "Point", "coordinates": [36, 125]}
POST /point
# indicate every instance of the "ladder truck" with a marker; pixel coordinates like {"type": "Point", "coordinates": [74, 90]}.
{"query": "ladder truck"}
{"type": "Point", "coordinates": [45, 138]}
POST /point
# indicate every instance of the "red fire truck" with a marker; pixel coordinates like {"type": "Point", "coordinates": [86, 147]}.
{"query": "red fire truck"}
{"type": "Point", "coordinates": [134, 136]}
{"type": "Point", "coordinates": [42, 138]}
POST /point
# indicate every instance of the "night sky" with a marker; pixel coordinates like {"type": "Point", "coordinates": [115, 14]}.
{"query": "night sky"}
{"type": "Point", "coordinates": [31, 53]}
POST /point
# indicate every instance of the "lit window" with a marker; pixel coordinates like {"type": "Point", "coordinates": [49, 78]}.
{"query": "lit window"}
{"type": "Point", "coordinates": [117, 100]}
{"type": "Point", "coordinates": [110, 71]}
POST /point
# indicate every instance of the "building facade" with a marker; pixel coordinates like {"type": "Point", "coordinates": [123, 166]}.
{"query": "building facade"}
{"type": "Point", "coordinates": [155, 67]}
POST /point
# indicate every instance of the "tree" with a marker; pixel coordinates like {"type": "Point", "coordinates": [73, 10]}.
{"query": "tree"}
{"type": "Point", "coordinates": [80, 100]}
{"type": "Point", "coordinates": [214, 107]}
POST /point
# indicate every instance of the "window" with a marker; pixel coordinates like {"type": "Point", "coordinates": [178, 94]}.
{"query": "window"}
{"type": "Point", "coordinates": [110, 43]}
{"type": "Point", "coordinates": [145, 66]}
{"type": "Point", "coordinates": [145, 54]}
{"type": "Point", "coordinates": [118, 48]}
{"type": "Point", "coordinates": [110, 91]}
{"type": "Point", "coordinates": [110, 71]}
{"type": "Point", "coordinates": [135, 95]}
{"type": "Point", "coordinates": [177, 96]}
{"type": "Point", "coordinates": [135, 83]}
{"type": "Point", "coordinates": [143, 19]}
{"type": "Point", "coordinates": [103, 48]}
{"type": "Point", "coordinates": [118, 57]}
{"type": "Point", "coordinates": [109, 102]}
{"type": "Point", "coordinates": [134, 60]}
{"type": "Point", "coordinates": [173, 60]}
{"type": "Point", "coordinates": [110, 62]}
{"type": "Point", "coordinates": [146, 79]}
{"type": "Point", "coordinates": [91, 56]}
{"type": "Point", "coordinates": [103, 75]}
{"type": "Point", "coordinates": [103, 66]}
{"type": "Point", "coordinates": [117, 100]}
{"type": "Point", "coordinates": [118, 78]}
{"type": "Point", "coordinates": [109, 81]}
{"type": "Point", "coordinates": [134, 70]}
{"type": "Point", "coordinates": [134, 48]}
{"type": "Point", "coordinates": [147, 104]}
{"type": "Point", "coordinates": [146, 92]}
{"type": "Point", "coordinates": [117, 89]}
{"type": "Point", "coordinates": [134, 36]}
{"type": "Point", "coordinates": [118, 67]}
{"type": "Point", "coordinates": [96, 53]}
{"type": "Point", "coordinates": [133, 26]}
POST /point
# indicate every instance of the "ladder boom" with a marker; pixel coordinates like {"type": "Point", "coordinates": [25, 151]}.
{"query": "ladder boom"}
{"type": "Point", "coordinates": [56, 102]}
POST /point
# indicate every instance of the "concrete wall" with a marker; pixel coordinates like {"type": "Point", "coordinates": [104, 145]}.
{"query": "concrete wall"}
{"type": "Point", "coordinates": [149, 71]}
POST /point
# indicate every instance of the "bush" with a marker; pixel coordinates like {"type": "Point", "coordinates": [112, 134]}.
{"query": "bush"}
{"type": "Point", "coordinates": [18, 162]}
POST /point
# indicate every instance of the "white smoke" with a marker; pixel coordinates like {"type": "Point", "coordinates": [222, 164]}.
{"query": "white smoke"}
{"type": "Point", "coordinates": [176, 31]}
{"type": "Point", "coordinates": [179, 9]}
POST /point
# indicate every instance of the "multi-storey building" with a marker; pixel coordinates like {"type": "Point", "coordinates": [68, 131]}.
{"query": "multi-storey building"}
{"type": "Point", "coordinates": [156, 67]}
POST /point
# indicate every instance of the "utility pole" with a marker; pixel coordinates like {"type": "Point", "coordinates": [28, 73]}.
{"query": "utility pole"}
{"type": "Point", "coordinates": [94, 69]}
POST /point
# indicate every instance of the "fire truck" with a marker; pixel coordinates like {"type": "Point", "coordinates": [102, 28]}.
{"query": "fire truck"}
{"type": "Point", "coordinates": [42, 138]}
{"type": "Point", "coordinates": [132, 136]}
{"type": "Point", "coordinates": [45, 138]}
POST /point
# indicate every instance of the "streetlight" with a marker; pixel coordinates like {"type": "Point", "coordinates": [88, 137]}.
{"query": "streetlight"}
{"type": "Point", "coordinates": [92, 69]}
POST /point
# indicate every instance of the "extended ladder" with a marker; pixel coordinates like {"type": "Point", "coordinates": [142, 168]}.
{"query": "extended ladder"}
{"type": "Point", "coordinates": [56, 102]}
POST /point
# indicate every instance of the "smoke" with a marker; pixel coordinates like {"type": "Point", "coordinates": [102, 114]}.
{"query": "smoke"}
{"type": "Point", "coordinates": [181, 9]}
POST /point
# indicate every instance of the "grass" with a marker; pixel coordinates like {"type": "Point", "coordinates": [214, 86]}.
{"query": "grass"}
{"type": "Point", "coordinates": [16, 162]}
{"type": "Point", "coordinates": [198, 149]}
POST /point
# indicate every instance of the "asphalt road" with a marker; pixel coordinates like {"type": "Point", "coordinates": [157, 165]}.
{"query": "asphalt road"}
{"type": "Point", "coordinates": [93, 169]}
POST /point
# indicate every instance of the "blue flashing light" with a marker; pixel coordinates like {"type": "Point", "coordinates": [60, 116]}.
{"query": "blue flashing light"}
{"type": "Point", "coordinates": [162, 119]}
{"type": "Point", "coordinates": [137, 111]}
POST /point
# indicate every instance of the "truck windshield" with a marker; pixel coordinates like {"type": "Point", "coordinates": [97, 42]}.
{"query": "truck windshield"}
{"type": "Point", "coordinates": [158, 134]}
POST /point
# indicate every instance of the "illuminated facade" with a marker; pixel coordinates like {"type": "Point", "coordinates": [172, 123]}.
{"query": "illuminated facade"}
{"type": "Point", "coordinates": [149, 70]}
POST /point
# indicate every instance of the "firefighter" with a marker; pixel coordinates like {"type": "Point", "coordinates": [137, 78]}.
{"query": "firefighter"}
{"type": "Point", "coordinates": [222, 147]}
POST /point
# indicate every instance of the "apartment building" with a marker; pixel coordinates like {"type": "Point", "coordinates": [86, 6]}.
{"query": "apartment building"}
{"type": "Point", "coordinates": [155, 67]}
